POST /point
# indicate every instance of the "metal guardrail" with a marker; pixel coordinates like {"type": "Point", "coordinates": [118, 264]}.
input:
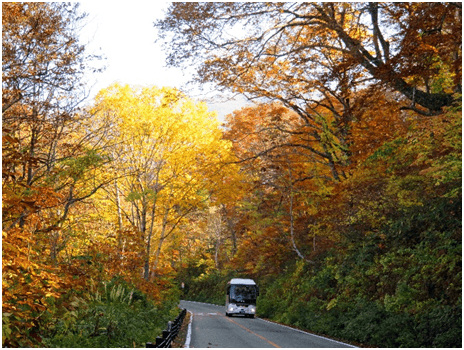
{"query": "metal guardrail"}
{"type": "Point", "coordinates": [170, 333]}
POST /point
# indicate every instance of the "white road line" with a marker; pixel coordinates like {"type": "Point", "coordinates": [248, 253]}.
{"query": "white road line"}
{"type": "Point", "coordinates": [200, 302]}
{"type": "Point", "coordinates": [297, 330]}
{"type": "Point", "coordinates": [189, 331]}
{"type": "Point", "coordinates": [314, 335]}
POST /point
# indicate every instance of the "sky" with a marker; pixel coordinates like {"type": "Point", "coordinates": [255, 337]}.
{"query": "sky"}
{"type": "Point", "coordinates": [123, 32]}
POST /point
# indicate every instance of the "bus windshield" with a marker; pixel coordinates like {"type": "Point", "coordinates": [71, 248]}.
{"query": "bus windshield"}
{"type": "Point", "coordinates": [243, 293]}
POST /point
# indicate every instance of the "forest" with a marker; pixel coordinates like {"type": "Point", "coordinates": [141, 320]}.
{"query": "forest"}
{"type": "Point", "coordinates": [338, 189]}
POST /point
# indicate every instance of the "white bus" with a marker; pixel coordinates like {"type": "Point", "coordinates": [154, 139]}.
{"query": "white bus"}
{"type": "Point", "coordinates": [241, 297]}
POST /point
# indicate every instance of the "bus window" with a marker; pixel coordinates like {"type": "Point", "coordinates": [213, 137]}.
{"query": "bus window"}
{"type": "Point", "coordinates": [243, 294]}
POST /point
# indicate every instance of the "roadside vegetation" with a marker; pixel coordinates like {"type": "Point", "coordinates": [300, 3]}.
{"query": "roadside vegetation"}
{"type": "Point", "coordinates": [114, 315]}
{"type": "Point", "coordinates": [339, 191]}
{"type": "Point", "coordinates": [398, 284]}
{"type": "Point", "coordinates": [349, 212]}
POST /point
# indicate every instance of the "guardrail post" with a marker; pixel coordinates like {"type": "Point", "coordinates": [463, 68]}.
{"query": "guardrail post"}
{"type": "Point", "coordinates": [159, 340]}
{"type": "Point", "coordinates": [169, 333]}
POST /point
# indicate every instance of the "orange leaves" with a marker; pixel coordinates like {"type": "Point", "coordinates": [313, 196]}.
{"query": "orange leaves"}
{"type": "Point", "coordinates": [42, 65]}
{"type": "Point", "coordinates": [301, 55]}
{"type": "Point", "coordinates": [8, 138]}
{"type": "Point", "coordinates": [26, 284]}
{"type": "Point", "coordinates": [34, 36]}
{"type": "Point", "coordinates": [376, 120]}
{"type": "Point", "coordinates": [286, 185]}
{"type": "Point", "coordinates": [55, 235]}
{"type": "Point", "coordinates": [430, 30]}
{"type": "Point", "coordinates": [261, 254]}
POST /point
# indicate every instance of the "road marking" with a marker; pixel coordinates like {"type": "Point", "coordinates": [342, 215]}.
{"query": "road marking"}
{"type": "Point", "coordinates": [311, 334]}
{"type": "Point", "coordinates": [297, 330]}
{"type": "Point", "coordinates": [208, 314]}
{"type": "Point", "coordinates": [259, 336]}
{"type": "Point", "coordinates": [189, 332]}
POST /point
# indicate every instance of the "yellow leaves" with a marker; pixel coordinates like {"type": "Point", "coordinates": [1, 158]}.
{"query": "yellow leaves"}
{"type": "Point", "coordinates": [25, 282]}
{"type": "Point", "coordinates": [168, 153]}
{"type": "Point", "coordinates": [332, 303]}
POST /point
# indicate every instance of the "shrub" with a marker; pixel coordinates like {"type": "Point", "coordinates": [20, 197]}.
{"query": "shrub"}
{"type": "Point", "coordinates": [114, 315]}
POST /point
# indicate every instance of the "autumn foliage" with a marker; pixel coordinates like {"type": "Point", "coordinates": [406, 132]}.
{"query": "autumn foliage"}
{"type": "Point", "coordinates": [349, 214]}
{"type": "Point", "coordinates": [90, 193]}
{"type": "Point", "coordinates": [339, 190]}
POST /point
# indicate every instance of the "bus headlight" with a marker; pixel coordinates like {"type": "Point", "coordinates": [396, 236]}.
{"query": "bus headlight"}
{"type": "Point", "coordinates": [253, 309]}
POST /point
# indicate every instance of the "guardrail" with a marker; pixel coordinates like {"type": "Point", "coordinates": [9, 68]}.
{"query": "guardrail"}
{"type": "Point", "coordinates": [169, 333]}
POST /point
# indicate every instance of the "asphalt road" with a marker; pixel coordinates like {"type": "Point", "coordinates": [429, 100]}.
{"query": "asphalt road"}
{"type": "Point", "coordinates": [210, 328]}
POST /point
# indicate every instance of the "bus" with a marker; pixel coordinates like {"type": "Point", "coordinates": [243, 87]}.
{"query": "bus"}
{"type": "Point", "coordinates": [241, 297]}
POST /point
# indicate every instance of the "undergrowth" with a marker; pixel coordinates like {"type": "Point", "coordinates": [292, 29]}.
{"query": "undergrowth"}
{"type": "Point", "coordinates": [114, 314]}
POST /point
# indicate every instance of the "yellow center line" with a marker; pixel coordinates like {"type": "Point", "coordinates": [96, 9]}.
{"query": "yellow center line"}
{"type": "Point", "coordinates": [260, 336]}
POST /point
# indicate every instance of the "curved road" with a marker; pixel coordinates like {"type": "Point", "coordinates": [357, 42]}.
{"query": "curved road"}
{"type": "Point", "coordinates": [210, 328]}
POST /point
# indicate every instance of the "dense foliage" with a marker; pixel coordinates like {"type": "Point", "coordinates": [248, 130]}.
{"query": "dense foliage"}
{"type": "Point", "coordinates": [391, 275]}
{"type": "Point", "coordinates": [349, 212]}
{"type": "Point", "coordinates": [340, 193]}
{"type": "Point", "coordinates": [92, 193]}
{"type": "Point", "coordinates": [114, 314]}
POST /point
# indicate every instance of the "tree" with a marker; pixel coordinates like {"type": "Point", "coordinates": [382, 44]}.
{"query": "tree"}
{"type": "Point", "coordinates": [46, 165]}
{"type": "Point", "coordinates": [300, 52]}
{"type": "Point", "coordinates": [317, 59]}
{"type": "Point", "coordinates": [43, 66]}
{"type": "Point", "coordinates": [40, 52]}
{"type": "Point", "coordinates": [270, 132]}
{"type": "Point", "coordinates": [286, 178]}
{"type": "Point", "coordinates": [169, 154]}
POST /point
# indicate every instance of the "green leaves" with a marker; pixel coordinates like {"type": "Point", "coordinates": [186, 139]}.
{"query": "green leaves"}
{"type": "Point", "coordinates": [136, 196]}
{"type": "Point", "coordinates": [114, 315]}
{"type": "Point", "coordinates": [79, 166]}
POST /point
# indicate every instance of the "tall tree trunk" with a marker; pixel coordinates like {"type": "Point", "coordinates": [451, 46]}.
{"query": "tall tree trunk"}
{"type": "Point", "coordinates": [161, 240]}
{"type": "Point", "coordinates": [292, 233]}
{"type": "Point", "coordinates": [118, 208]}
{"type": "Point", "coordinates": [230, 226]}
{"type": "Point", "coordinates": [150, 235]}
{"type": "Point", "coordinates": [216, 249]}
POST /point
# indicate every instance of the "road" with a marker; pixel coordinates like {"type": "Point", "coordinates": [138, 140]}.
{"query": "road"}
{"type": "Point", "coordinates": [210, 328]}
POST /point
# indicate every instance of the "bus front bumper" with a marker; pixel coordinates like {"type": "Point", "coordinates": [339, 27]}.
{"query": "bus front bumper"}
{"type": "Point", "coordinates": [244, 310]}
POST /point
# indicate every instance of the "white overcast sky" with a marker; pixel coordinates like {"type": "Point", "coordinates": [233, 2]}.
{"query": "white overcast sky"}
{"type": "Point", "coordinates": [125, 34]}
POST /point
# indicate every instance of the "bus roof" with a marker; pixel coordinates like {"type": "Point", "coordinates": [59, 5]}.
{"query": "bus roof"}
{"type": "Point", "coordinates": [242, 281]}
